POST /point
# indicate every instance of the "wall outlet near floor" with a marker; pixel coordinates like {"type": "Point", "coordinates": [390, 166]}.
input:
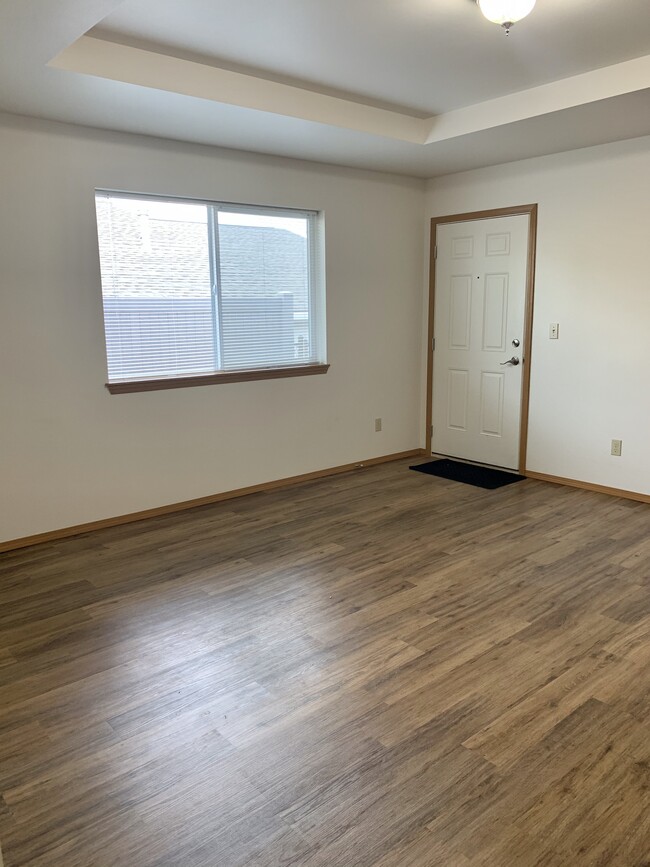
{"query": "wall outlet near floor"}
{"type": "Point", "coordinates": [377, 425]}
{"type": "Point", "coordinates": [617, 448]}
{"type": "Point", "coordinates": [554, 331]}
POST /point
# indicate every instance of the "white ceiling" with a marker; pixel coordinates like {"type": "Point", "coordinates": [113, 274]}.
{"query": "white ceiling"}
{"type": "Point", "coordinates": [420, 87]}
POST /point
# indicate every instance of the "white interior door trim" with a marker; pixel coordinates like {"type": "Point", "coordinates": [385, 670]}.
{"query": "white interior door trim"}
{"type": "Point", "coordinates": [531, 211]}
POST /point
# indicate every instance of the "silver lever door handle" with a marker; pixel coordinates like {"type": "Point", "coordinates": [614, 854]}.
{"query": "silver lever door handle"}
{"type": "Point", "coordinates": [514, 361]}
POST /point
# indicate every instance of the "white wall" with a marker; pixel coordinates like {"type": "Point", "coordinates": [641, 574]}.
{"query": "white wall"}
{"type": "Point", "coordinates": [593, 277]}
{"type": "Point", "coordinates": [72, 453]}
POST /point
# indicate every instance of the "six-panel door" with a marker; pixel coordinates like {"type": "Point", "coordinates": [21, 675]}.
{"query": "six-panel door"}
{"type": "Point", "coordinates": [479, 339]}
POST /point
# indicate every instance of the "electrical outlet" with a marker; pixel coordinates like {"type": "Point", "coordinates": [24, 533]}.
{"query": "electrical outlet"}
{"type": "Point", "coordinates": [617, 448]}
{"type": "Point", "coordinates": [377, 425]}
{"type": "Point", "coordinates": [554, 331]}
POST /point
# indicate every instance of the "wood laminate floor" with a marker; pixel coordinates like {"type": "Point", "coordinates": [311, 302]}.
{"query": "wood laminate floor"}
{"type": "Point", "coordinates": [381, 669]}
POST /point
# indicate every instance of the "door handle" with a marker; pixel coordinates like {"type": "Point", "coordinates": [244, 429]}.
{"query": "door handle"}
{"type": "Point", "coordinates": [514, 361]}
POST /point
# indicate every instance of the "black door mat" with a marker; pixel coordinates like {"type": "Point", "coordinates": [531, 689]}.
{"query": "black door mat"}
{"type": "Point", "coordinates": [469, 474]}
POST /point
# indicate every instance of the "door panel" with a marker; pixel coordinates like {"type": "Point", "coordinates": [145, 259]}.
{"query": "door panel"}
{"type": "Point", "coordinates": [492, 388]}
{"type": "Point", "coordinates": [495, 312]}
{"type": "Point", "coordinates": [478, 313]}
{"type": "Point", "coordinates": [457, 400]}
{"type": "Point", "coordinates": [459, 312]}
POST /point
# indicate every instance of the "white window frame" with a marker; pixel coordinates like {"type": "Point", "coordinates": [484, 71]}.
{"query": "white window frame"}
{"type": "Point", "coordinates": [316, 294]}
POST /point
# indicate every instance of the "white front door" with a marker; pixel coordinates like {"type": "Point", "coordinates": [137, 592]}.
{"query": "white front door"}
{"type": "Point", "coordinates": [480, 299]}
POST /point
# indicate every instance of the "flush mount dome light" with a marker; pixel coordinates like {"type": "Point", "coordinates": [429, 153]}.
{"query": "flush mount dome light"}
{"type": "Point", "coordinates": [506, 12]}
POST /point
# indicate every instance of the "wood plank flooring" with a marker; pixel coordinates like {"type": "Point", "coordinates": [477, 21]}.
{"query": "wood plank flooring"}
{"type": "Point", "coordinates": [381, 669]}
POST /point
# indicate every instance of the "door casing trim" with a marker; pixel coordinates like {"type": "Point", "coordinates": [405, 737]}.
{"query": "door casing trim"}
{"type": "Point", "coordinates": [531, 211]}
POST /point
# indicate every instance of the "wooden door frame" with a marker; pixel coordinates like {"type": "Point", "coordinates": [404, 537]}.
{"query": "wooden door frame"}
{"type": "Point", "coordinates": [531, 212]}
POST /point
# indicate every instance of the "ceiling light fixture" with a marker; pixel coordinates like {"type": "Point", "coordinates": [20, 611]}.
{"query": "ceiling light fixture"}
{"type": "Point", "coordinates": [506, 12]}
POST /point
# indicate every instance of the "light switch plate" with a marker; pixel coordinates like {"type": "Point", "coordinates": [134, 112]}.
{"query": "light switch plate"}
{"type": "Point", "coordinates": [554, 331]}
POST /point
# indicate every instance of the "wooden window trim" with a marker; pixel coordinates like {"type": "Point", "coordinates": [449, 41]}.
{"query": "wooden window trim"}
{"type": "Point", "coordinates": [133, 385]}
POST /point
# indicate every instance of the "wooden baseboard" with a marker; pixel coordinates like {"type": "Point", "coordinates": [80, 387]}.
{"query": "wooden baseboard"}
{"type": "Point", "coordinates": [66, 532]}
{"type": "Point", "coordinates": [589, 486]}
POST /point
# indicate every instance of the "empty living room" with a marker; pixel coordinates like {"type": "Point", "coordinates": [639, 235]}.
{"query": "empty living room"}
{"type": "Point", "coordinates": [324, 433]}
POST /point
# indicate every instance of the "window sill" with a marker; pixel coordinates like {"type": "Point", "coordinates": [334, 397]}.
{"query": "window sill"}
{"type": "Point", "coordinates": [133, 385]}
